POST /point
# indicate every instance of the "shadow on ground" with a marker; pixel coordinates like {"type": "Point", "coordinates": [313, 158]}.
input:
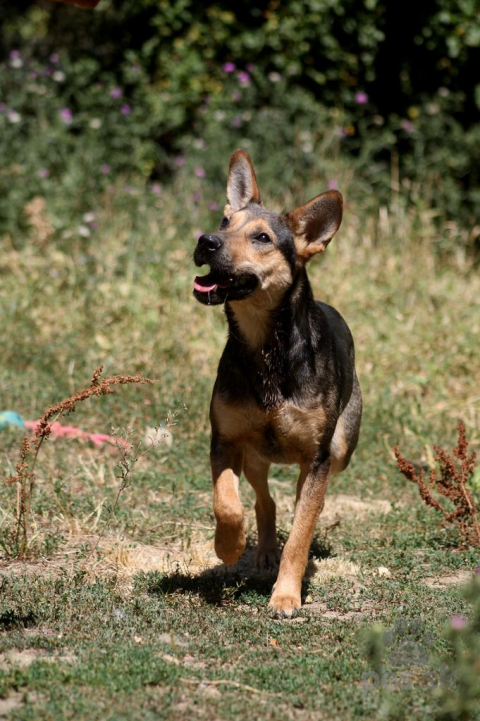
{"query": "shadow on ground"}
{"type": "Point", "coordinates": [223, 583]}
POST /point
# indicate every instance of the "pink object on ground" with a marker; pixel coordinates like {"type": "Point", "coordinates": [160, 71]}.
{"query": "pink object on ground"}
{"type": "Point", "coordinates": [98, 439]}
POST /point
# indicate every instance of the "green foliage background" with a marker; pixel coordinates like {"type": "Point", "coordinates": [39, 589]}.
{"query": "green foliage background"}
{"type": "Point", "coordinates": [308, 86]}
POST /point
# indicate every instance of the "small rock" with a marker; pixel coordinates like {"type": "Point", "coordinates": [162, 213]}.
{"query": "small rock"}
{"type": "Point", "coordinates": [171, 639]}
{"type": "Point", "coordinates": [383, 571]}
{"type": "Point", "coordinates": [170, 659]}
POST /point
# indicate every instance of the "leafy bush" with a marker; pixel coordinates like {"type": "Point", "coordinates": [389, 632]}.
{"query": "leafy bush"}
{"type": "Point", "coordinates": [127, 92]}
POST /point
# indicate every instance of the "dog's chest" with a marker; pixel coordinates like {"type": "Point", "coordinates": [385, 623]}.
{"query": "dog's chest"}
{"type": "Point", "coordinates": [287, 434]}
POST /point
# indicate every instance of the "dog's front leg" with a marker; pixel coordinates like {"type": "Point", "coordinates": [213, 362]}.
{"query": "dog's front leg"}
{"type": "Point", "coordinates": [226, 460]}
{"type": "Point", "coordinates": [312, 485]}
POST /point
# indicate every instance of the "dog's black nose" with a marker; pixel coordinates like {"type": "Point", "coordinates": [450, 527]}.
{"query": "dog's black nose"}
{"type": "Point", "coordinates": [209, 242]}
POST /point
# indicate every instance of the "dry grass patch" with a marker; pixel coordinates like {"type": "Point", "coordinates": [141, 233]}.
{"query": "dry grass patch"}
{"type": "Point", "coordinates": [25, 658]}
{"type": "Point", "coordinates": [452, 579]}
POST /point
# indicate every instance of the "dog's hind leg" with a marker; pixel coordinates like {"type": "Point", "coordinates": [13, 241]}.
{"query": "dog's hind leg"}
{"type": "Point", "coordinates": [346, 434]}
{"type": "Point", "coordinates": [226, 461]}
{"type": "Point", "coordinates": [256, 473]}
{"type": "Point", "coordinates": [313, 482]}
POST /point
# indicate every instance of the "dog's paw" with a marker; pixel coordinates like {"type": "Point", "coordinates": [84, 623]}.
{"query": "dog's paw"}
{"type": "Point", "coordinates": [268, 558]}
{"type": "Point", "coordinates": [284, 605]}
{"type": "Point", "coordinates": [230, 540]}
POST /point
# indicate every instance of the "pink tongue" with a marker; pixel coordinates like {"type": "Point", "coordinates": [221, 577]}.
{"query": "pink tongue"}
{"type": "Point", "coordinates": [203, 288]}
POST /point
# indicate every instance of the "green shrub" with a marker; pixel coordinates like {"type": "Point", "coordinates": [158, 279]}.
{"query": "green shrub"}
{"type": "Point", "coordinates": [308, 86]}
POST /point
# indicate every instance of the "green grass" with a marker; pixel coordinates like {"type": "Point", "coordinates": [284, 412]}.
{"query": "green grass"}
{"type": "Point", "coordinates": [103, 633]}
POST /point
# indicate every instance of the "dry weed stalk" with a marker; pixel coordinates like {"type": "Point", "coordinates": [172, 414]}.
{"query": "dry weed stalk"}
{"type": "Point", "coordinates": [130, 454]}
{"type": "Point", "coordinates": [451, 483]}
{"type": "Point", "coordinates": [25, 469]}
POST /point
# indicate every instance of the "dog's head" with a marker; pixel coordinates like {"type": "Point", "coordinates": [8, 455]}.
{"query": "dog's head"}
{"type": "Point", "coordinates": [256, 252]}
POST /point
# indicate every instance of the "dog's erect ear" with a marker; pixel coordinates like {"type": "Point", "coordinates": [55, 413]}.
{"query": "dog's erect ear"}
{"type": "Point", "coordinates": [242, 186]}
{"type": "Point", "coordinates": [315, 223]}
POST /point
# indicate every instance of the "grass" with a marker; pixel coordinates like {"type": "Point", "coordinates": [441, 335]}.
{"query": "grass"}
{"type": "Point", "coordinates": [142, 624]}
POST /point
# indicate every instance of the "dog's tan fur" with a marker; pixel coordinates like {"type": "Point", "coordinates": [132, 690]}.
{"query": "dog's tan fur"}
{"type": "Point", "coordinates": [298, 429]}
{"type": "Point", "coordinates": [275, 276]}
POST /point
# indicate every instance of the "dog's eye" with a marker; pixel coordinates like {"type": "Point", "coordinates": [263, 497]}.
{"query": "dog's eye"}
{"type": "Point", "coordinates": [263, 238]}
{"type": "Point", "coordinates": [224, 223]}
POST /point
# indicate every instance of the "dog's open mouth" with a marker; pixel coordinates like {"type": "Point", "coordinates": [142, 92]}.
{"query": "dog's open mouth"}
{"type": "Point", "coordinates": [215, 288]}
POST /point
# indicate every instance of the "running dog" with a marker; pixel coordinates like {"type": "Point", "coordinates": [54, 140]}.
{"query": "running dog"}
{"type": "Point", "coordinates": [286, 389]}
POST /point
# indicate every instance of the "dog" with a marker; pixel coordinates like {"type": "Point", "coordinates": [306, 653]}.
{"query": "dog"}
{"type": "Point", "coordinates": [286, 389]}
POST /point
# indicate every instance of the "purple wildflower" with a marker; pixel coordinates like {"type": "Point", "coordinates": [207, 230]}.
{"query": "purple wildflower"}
{"type": "Point", "coordinates": [3, 107]}
{"type": "Point", "coordinates": [116, 92]}
{"type": "Point", "coordinates": [33, 74]}
{"type": "Point", "coordinates": [236, 96]}
{"type": "Point", "coordinates": [179, 161]}
{"type": "Point", "coordinates": [156, 188]}
{"type": "Point", "coordinates": [342, 133]}
{"type": "Point", "coordinates": [48, 71]}
{"type": "Point", "coordinates": [15, 54]}
{"type": "Point", "coordinates": [243, 78]}
{"type": "Point", "coordinates": [66, 115]}
{"type": "Point", "coordinates": [43, 173]}
{"type": "Point", "coordinates": [127, 189]}
{"type": "Point", "coordinates": [237, 122]}
{"type": "Point", "coordinates": [458, 622]}
{"type": "Point", "coordinates": [196, 197]}
{"type": "Point", "coordinates": [54, 58]}
{"type": "Point", "coordinates": [213, 205]}
{"type": "Point", "coordinates": [197, 234]}
{"type": "Point", "coordinates": [229, 68]}
{"type": "Point", "coordinates": [408, 126]}
{"type": "Point", "coordinates": [125, 109]}
{"type": "Point", "coordinates": [199, 172]}
{"type": "Point", "coordinates": [105, 169]}
{"type": "Point", "coordinates": [332, 185]}
{"type": "Point", "coordinates": [361, 98]}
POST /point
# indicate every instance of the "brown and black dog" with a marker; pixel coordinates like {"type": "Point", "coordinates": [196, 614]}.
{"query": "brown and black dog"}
{"type": "Point", "coordinates": [286, 389]}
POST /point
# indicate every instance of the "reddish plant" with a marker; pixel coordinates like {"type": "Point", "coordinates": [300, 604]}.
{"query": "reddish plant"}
{"type": "Point", "coordinates": [25, 476]}
{"type": "Point", "coordinates": [451, 482]}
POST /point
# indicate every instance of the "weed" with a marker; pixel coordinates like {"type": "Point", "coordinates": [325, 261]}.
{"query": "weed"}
{"type": "Point", "coordinates": [463, 635]}
{"type": "Point", "coordinates": [451, 483]}
{"type": "Point", "coordinates": [25, 468]}
{"type": "Point", "coordinates": [130, 454]}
